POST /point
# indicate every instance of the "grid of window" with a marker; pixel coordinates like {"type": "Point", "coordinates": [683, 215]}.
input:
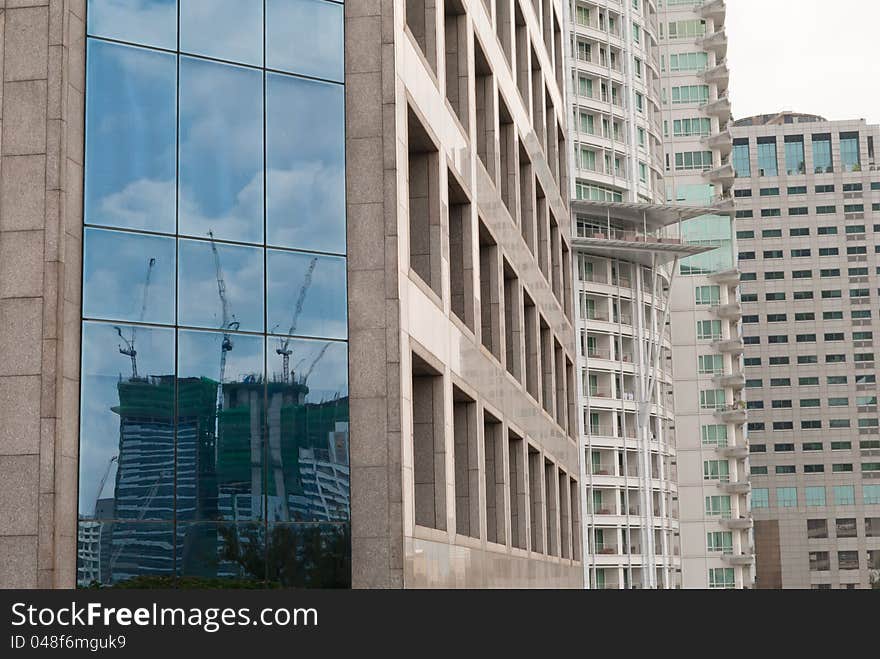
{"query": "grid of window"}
{"type": "Point", "coordinates": [216, 434]}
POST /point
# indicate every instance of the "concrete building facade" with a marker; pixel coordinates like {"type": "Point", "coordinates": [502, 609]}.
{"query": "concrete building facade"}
{"type": "Point", "coordinates": [443, 451]}
{"type": "Point", "coordinates": [713, 488]}
{"type": "Point", "coordinates": [808, 208]}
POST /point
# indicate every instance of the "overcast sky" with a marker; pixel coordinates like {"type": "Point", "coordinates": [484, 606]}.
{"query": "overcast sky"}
{"type": "Point", "coordinates": [810, 56]}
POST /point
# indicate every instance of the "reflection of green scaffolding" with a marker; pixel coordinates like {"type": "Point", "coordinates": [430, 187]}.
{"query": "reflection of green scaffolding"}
{"type": "Point", "coordinates": [303, 425]}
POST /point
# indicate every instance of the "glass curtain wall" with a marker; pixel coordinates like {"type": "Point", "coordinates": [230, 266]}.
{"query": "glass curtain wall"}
{"type": "Point", "coordinates": [214, 389]}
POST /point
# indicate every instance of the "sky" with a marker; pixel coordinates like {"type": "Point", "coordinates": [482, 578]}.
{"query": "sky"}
{"type": "Point", "coordinates": [810, 56]}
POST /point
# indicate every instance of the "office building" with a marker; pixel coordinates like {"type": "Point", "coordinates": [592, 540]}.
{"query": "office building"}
{"type": "Point", "coordinates": [712, 461]}
{"type": "Point", "coordinates": [808, 208]}
{"type": "Point", "coordinates": [285, 295]}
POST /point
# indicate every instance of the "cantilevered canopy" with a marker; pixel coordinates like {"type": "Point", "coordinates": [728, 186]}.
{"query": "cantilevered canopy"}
{"type": "Point", "coordinates": [647, 216]}
{"type": "Point", "coordinates": [637, 242]}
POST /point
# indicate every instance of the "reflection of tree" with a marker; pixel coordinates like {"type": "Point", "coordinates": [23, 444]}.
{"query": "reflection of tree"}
{"type": "Point", "coordinates": [300, 556]}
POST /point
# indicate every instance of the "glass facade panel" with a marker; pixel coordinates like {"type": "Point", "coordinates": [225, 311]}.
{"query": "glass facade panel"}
{"type": "Point", "coordinates": [795, 162]}
{"type": "Point", "coordinates": [130, 137]}
{"type": "Point", "coordinates": [306, 164]}
{"type": "Point", "coordinates": [221, 150]}
{"type": "Point", "coordinates": [322, 311]}
{"type": "Point", "coordinates": [740, 158]}
{"type": "Point", "coordinates": [305, 36]}
{"type": "Point", "coordinates": [223, 29]}
{"type": "Point", "coordinates": [767, 162]}
{"type": "Point", "coordinates": [214, 455]}
{"type": "Point", "coordinates": [128, 276]}
{"type": "Point", "coordinates": [822, 162]}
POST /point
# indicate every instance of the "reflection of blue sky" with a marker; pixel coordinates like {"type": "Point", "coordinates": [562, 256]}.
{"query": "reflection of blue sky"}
{"type": "Point", "coordinates": [305, 153]}
{"type": "Point", "coordinates": [324, 307]}
{"type": "Point", "coordinates": [224, 29]}
{"type": "Point", "coordinates": [221, 150]}
{"type": "Point", "coordinates": [199, 356]}
{"type": "Point", "coordinates": [305, 36]}
{"type": "Point", "coordinates": [102, 367]}
{"type": "Point", "coordinates": [200, 305]}
{"type": "Point", "coordinates": [148, 22]}
{"type": "Point", "coordinates": [115, 265]}
{"type": "Point", "coordinates": [130, 137]}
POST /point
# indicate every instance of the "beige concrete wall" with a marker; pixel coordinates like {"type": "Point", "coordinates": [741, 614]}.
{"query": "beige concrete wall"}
{"type": "Point", "coordinates": [43, 72]}
{"type": "Point", "coordinates": [392, 312]}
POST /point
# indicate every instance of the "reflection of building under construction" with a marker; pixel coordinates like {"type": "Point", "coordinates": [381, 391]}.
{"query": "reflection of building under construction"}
{"type": "Point", "coordinates": [286, 460]}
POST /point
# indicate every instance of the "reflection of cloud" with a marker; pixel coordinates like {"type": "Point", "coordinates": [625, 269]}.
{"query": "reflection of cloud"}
{"type": "Point", "coordinates": [305, 207]}
{"type": "Point", "coordinates": [199, 297]}
{"type": "Point", "coordinates": [138, 203]}
{"type": "Point", "coordinates": [130, 137]}
{"type": "Point", "coordinates": [221, 154]}
{"type": "Point", "coordinates": [151, 22]}
{"type": "Point", "coordinates": [306, 164]}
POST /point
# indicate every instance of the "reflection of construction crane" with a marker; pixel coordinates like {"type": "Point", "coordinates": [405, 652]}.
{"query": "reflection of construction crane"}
{"type": "Point", "coordinates": [228, 323]}
{"type": "Point", "coordinates": [103, 482]}
{"type": "Point", "coordinates": [314, 363]}
{"type": "Point", "coordinates": [284, 345]}
{"type": "Point", "coordinates": [129, 348]}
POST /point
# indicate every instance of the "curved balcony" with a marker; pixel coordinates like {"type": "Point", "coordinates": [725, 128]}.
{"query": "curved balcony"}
{"type": "Point", "coordinates": [732, 311]}
{"type": "Point", "coordinates": [718, 74]}
{"type": "Point", "coordinates": [738, 559]}
{"type": "Point", "coordinates": [724, 175]}
{"type": "Point", "coordinates": [738, 487]}
{"type": "Point", "coordinates": [735, 381]}
{"type": "Point", "coordinates": [732, 413]}
{"type": "Point", "coordinates": [717, 41]}
{"type": "Point", "coordinates": [730, 346]}
{"type": "Point", "coordinates": [722, 141]}
{"type": "Point", "coordinates": [719, 108]}
{"type": "Point", "coordinates": [714, 9]}
{"type": "Point", "coordinates": [727, 277]}
{"type": "Point", "coordinates": [737, 523]}
{"type": "Point", "coordinates": [736, 451]}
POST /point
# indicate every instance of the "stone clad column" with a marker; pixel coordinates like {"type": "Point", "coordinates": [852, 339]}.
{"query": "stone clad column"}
{"type": "Point", "coordinates": [42, 58]}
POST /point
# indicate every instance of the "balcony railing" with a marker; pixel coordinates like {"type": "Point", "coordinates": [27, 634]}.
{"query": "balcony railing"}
{"type": "Point", "coordinates": [621, 235]}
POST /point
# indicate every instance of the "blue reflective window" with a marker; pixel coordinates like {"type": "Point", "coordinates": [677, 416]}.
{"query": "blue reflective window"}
{"type": "Point", "coordinates": [130, 137]}
{"type": "Point", "coordinates": [305, 197]}
{"type": "Point", "coordinates": [220, 441]}
{"type": "Point", "coordinates": [822, 159]}
{"type": "Point", "coordinates": [128, 276]}
{"type": "Point", "coordinates": [200, 302]}
{"type": "Point", "coordinates": [147, 22]}
{"type": "Point", "coordinates": [767, 163]}
{"type": "Point", "coordinates": [126, 460]}
{"type": "Point", "coordinates": [221, 150]}
{"type": "Point", "coordinates": [305, 37]}
{"type": "Point", "coordinates": [207, 451]}
{"type": "Point", "coordinates": [294, 307]}
{"type": "Point", "coordinates": [223, 29]}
